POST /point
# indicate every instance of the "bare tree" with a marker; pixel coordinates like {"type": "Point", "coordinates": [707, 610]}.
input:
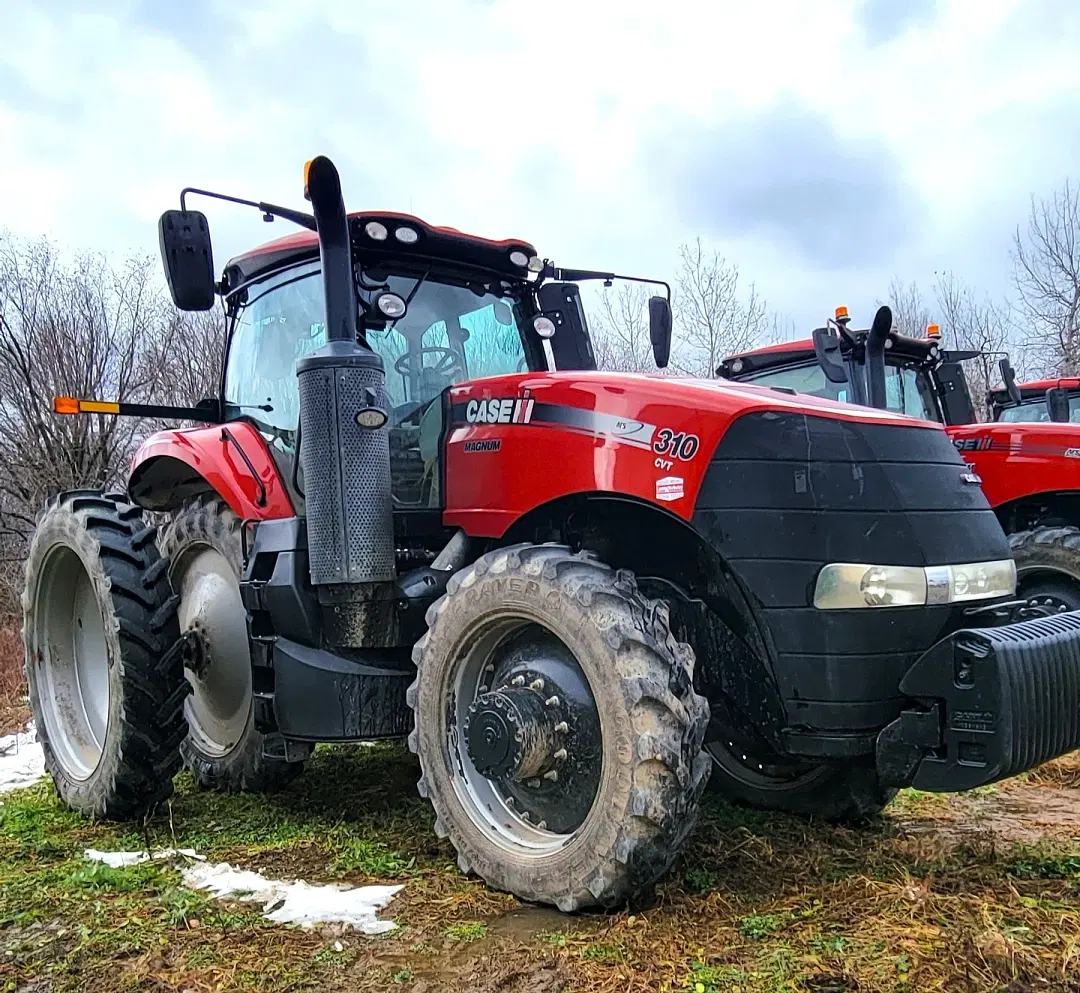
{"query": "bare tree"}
{"type": "Point", "coordinates": [1046, 274]}
{"type": "Point", "coordinates": [621, 330]}
{"type": "Point", "coordinates": [974, 324]}
{"type": "Point", "coordinates": [910, 312]}
{"type": "Point", "coordinates": [711, 316]}
{"type": "Point", "coordinates": [85, 329]}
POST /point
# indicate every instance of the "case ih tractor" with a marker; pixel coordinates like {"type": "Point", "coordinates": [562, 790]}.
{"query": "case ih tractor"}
{"type": "Point", "coordinates": [1029, 471]}
{"type": "Point", "coordinates": [414, 510]}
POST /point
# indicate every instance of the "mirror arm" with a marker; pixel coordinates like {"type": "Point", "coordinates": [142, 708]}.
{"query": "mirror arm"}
{"type": "Point", "coordinates": [269, 210]}
{"type": "Point", "coordinates": [551, 271]}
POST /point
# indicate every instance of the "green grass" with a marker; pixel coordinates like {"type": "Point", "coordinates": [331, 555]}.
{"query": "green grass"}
{"type": "Point", "coordinates": [762, 903]}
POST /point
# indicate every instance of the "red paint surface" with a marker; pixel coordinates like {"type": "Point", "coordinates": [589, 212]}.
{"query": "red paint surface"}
{"type": "Point", "coordinates": [486, 492]}
{"type": "Point", "coordinates": [222, 466]}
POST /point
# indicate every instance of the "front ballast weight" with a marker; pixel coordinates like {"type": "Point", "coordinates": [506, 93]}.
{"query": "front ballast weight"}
{"type": "Point", "coordinates": [345, 455]}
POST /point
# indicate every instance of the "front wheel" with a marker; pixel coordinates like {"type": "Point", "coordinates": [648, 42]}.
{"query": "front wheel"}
{"type": "Point", "coordinates": [1048, 566]}
{"type": "Point", "coordinates": [557, 727]}
{"type": "Point", "coordinates": [827, 791]}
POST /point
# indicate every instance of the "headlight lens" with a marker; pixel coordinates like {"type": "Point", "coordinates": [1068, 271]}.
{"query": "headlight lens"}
{"type": "Point", "coordinates": [845, 585]}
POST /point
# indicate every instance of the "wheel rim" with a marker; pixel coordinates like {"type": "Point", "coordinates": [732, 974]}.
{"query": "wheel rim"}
{"type": "Point", "coordinates": [72, 663]}
{"type": "Point", "coordinates": [219, 705]}
{"type": "Point", "coordinates": [762, 772]}
{"type": "Point", "coordinates": [530, 795]}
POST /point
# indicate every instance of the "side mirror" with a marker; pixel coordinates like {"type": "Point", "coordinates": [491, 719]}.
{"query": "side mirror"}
{"type": "Point", "coordinates": [828, 355]}
{"type": "Point", "coordinates": [184, 240]}
{"type": "Point", "coordinates": [1057, 403]}
{"type": "Point", "coordinates": [660, 330]}
{"type": "Point", "coordinates": [571, 346]}
{"type": "Point", "coordinates": [1008, 377]}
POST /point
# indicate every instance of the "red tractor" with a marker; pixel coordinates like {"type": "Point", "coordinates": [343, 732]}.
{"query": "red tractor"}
{"type": "Point", "coordinates": [415, 509]}
{"type": "Point", "coordinates": [1026, 458]}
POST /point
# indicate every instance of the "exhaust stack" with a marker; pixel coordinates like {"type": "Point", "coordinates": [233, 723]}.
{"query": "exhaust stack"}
{"type": "Point", "coordinates": [344, 447]}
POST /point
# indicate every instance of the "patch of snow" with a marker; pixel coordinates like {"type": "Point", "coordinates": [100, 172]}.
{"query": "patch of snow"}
{"type": "Point", "coordinates": [22, 762]}
{"type": "Point", "coordinates": [286, 903]}
{"type": "Point", "coordinates": [121, 860]}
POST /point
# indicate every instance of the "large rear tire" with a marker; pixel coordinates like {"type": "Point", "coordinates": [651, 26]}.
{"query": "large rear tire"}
{"type": "Point", "coordinates": [99, 619]}
{"type": "Point", "coordinates": [1048, 565]}
{"type": "Point", "coordinates": [223, 749]}
{"type": "Point", "coordinates": [557, 727]}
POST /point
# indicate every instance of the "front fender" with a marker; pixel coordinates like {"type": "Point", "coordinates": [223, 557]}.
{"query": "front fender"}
{"type": "Point", "coordinates": [231, 460]}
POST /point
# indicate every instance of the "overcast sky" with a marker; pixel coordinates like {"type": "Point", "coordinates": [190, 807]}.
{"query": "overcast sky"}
{"type": "Point", "coordinates": [824, 145]}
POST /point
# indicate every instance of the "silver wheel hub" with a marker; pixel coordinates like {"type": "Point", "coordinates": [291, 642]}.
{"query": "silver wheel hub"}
{"type": "Point", "coordinates": [218, 665]}
{"type": "Point", "coordinates": [72, 664]}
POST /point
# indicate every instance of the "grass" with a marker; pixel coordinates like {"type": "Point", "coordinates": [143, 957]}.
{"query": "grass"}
{"type": "Point", "coordinates": [924, 898]}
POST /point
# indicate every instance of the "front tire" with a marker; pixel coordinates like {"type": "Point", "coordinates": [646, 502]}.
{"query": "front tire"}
{"type": "Point", "coordinates": [1048, 565]}
{"type": "Point", "coordinates": [550, 672]}
{"type": "Point", "coordinates": [223, 749]}
{"type": "Point", "coordinates": [818, 790]}
{"type": "Point", "coordinates": [99, 619]}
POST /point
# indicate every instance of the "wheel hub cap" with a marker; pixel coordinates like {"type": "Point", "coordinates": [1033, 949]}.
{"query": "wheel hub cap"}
{"type": "Point", "coordinates": [511, 734]}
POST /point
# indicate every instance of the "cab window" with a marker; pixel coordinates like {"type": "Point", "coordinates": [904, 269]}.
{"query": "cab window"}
{"type": "Point", "coordinates": [907, 391]}
{"type": "Point", "coordinates": [449, 334]}
{"type": "Point", "coordinates": [1036, 410]}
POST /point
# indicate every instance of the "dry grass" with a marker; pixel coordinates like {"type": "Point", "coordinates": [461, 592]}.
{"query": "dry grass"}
{"type": "Point", "coordinates": [969, 893]}
{"type": "Point", "coordinates": [13, 712]}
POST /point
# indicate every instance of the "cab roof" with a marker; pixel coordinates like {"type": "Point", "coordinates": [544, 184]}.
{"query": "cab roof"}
{"type": "Point", "coordinates": [1035, 389]}
{"type": "Point", "coordinates": [802, 350]}
{"type": "Point", "coordinates": [433, 244]}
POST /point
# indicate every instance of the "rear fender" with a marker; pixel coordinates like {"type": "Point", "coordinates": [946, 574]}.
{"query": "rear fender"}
{"type": "Point", "coordinates": [231, 460]}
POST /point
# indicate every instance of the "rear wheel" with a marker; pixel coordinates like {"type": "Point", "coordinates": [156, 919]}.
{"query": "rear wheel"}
{"type": "Point", "coordinates": [223, 749]}
{"type": "Point", "coordinates": [831, 792]}
{"type": "Point", "coordinates": [558, 731]}
{"type": "Point", "coordinates": [1048, 565]}
{"type": "Point", "coordinates": [106, 693]}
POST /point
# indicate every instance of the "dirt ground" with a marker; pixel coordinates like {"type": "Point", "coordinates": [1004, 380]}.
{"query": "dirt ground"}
{"type": "Point", "coordinates": [972, 892]}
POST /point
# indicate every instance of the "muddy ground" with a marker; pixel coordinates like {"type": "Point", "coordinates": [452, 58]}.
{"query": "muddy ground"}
{"type": "Point", "coordinates": [973, 892]}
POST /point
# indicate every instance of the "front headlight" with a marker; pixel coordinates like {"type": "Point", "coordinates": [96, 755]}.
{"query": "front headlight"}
{"type": "Point", "coordinates": [844, 585]}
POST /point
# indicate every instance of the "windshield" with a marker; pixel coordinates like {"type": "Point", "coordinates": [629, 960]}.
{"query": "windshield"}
{"type": "Point", "coordinates": [907, 391]}
{"type": "Point", "coordinates": [449, 334]}
{"type": "Point", "coordinates": [1036, 410]}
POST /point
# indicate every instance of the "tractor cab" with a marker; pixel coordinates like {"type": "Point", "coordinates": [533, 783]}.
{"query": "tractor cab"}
{"type": "Point", "coordinates": [911, 376]}
{"type": "Point", "coordinates": [437, 306]}
{"type": "Point", "coordinates": [1040, 401]}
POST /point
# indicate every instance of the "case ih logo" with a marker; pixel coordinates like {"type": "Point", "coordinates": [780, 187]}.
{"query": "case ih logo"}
{"type": "Point", "coordinates": [505, 410]}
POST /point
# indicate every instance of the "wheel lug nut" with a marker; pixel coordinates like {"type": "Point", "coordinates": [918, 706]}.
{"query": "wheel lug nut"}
{"type": "Point", "coordinates": [536, 684]}
{"type": "Point", "coordinates": [524, 815]}
{"type": "Point", "coordinates": [561, 755]}
{"type": "Point", "coordinates": [562, 727]}
{"type": "Point", "coordinates": [542, 825]}
{"type": "Point", "coordinates": [518, 681]}
{"type": "Point", "coordinates": [534, 784]}
{"type": "Point", "coordinates": [552, 701]}
{"type": "Point", "coordinates": [553, 776]}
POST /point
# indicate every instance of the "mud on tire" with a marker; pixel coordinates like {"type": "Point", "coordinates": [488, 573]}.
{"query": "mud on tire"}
{"type": "Point", "coordinates": [223, 749]}
{"type": "Point", "coordinates": [99, 619]}
{"type": "Point", "coordinates": [651, 770]}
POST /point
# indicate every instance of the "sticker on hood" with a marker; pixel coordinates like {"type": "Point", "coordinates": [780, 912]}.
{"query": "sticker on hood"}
{"type": "Point", "coordinates": [669, 488]}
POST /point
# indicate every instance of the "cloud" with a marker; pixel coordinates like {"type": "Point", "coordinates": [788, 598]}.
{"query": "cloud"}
{"type": "Point", "coordinates": [776, 130]}
{"type": "Point", "coordinates": [787, 174]}
{"type": "Point", "coordinates": [884, 20]}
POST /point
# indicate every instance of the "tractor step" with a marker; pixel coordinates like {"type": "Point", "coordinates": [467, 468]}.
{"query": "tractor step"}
{"type": "Point", "coordinates": [320, 696]}
{"type": "Point", "coordinates": [993, 702]}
